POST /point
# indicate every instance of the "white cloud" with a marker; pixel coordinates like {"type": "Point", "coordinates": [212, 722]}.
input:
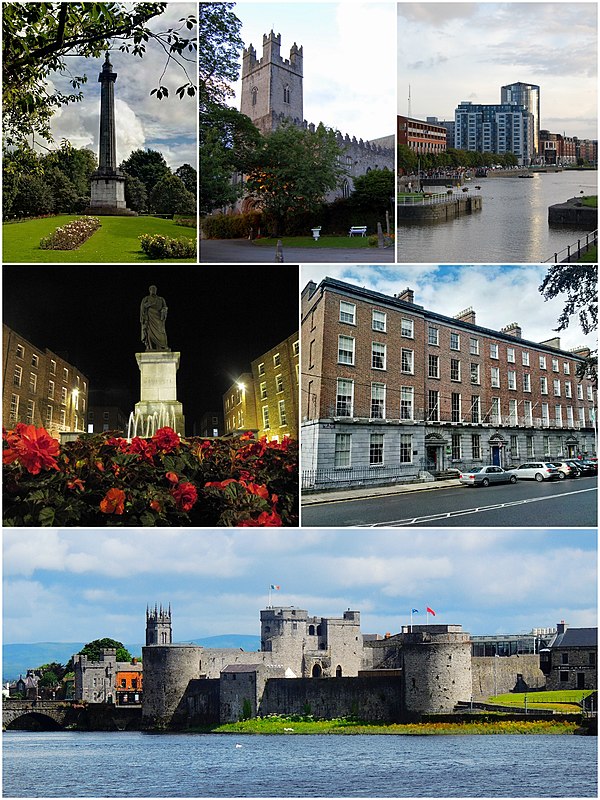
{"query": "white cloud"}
{"type": "Point", "coordinates": [499, 295]}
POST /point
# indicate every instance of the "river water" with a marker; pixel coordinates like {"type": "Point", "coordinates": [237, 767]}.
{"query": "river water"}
{"type": "Point", "coordinates": [69, 764]}
{"type": "Point", "coordinates": [512, 226]}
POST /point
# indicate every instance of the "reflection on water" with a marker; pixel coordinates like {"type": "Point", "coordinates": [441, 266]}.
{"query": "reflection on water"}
{"type": "Point", "coordinates": [512, 226]}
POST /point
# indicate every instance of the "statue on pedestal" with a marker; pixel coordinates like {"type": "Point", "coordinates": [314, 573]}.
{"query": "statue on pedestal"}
{"type": "Point", "coordinates": [153, 313]}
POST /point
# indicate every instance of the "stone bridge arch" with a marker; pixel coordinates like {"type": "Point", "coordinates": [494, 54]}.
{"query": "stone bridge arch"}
{"type": "Point", "coordinates": [20, 715]}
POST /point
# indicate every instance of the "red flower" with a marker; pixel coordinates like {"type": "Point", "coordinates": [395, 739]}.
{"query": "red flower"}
{"type": "Point", "coordinates": [245, 436]}
{"type": "Point", "coordinates": [264, 520]}
{"type": "Point", "coordinates": [113, 502]}
{"type": "Point", "coordinates": [143, 448]}
{"type": "Point", "coordinates": [185, 496]}
{"type": "Point", "coordinates": [33, 447]}
{"type": "Point", "coordinates": [76, 483]}
{"type": "Point", "coordinates": [166, 439]}
{"type": "Point", "coordinates": [172, 477]}
{"type": "Point", "coordinates": [221, 484]}
{"type": "Point", "coordinates": [156, 506]}
{"type": "Point", "coordinates": [258, 489]}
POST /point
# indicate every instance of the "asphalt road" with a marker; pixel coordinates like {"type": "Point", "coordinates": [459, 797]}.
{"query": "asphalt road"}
{"type": "Point", "coordinates": [556, 504]}
{"type": "Point", "coordinates": [242, 251]}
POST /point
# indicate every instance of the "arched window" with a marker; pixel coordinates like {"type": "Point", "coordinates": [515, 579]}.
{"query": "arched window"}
{"type": "Point", "coordinates": [345, 188]}
{"type": "Point", "coordinates": [317, 671]}
{"type": "Point", "coordinates": [311, 630]}
{"type": "Point", "coordinates": [286, 93]}
{"type": "Point", "coordinates": [254, 95]}
{"type": "Point", "coordinates": [318, 630]}
{"type": "Point", "coordinates": [338, 671]}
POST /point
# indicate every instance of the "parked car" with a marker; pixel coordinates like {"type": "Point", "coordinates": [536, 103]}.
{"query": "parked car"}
{"type": "Point", "coordinates": [586, 467]}
{"type": "Point", "coordinates": [483, 476]}
{"type": "Point", "coordinates": [567, 469]}
{"type": "Point", "coordinates": [537, 470]}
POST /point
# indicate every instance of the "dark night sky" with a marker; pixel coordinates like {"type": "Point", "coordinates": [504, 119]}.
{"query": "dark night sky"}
{"type": "Point", "coordinates": [220, 319]}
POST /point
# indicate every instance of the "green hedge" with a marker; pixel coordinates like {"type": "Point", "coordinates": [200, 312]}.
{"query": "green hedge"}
{"type": "Point", "coordinates": [158, 246]}
{"type": "Point", "coordinates": [232, 226]}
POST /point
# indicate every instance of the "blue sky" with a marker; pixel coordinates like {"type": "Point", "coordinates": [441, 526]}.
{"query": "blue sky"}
{"type": "Point", "coordinates": [349, 59]}
{"type": "Point", "coordinates": [167, 125]}
{"type": "Point", "coordinates": [80, 585]}
{"type": "Point", "coordinates": [450, 52]}
{"type": "Point", "coordinates": [499, 294]}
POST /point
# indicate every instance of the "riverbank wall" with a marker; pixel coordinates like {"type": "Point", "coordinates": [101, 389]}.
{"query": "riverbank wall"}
{"type": "Point", "coordinates": [573, 212]}
{"type": "Point", "coordinates": [456, 206]}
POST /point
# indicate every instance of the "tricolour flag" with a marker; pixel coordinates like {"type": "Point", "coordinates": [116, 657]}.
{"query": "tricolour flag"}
{"type": "Point", "coordinates": [430, 611]}
{"type": "Point", "coordinates": [275, 587]}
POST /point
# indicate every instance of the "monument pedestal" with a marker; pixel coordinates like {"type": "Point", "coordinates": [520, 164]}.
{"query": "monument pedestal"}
{"type": "Point", "coordinates": [158, 389]}
{"type": "Point", "coordinates": [108, 196]}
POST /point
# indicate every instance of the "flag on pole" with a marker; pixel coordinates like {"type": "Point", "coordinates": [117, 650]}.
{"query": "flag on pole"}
{"type": "Point", "coordinates": [430, 611]}
{"type": "Point", "coordinates": [415, 611]}
{"type": "Point", "coordinates": [275, 588]}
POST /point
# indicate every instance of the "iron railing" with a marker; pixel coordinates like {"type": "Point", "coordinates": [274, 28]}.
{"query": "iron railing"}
{"type": "Point", "coordinates": [573, 252]}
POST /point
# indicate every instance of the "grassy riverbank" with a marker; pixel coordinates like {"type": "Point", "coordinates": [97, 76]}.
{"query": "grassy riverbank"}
{"type": "Point", "coordinates": [289, 727]}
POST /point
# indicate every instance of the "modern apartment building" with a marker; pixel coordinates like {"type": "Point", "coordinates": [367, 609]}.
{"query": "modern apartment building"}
{"type": "Point", "coordinates": [41, 388]}
{"type": "Point", "coordinates": [391, 390]}
{"type": "Point", "coordinates": [528, 96]}
{"type": "Point", "coordinates": [502, 128]}
{"type": "Point", "coordinates": [266, 399]}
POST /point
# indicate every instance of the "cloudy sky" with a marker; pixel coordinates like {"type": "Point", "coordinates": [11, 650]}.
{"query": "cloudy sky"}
{"type": "Point", "coordinates": [499, 294]}
{"type": "Point", "coordinates": [349, 59]}
{"type": "Point", "coordinates": [167, 125]}
{"type": "Point", "coordinates": [449, 52]}
{"type": "Point", "coordinates": [81, 585]}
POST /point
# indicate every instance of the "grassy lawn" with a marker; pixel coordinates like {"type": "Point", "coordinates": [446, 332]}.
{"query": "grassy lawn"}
{"type": "Point", "coordinates": [591, 201]}
{"type": "Point", "coordinates": [115, 242]}
{"type": "Point", "coordinates": [591, 257]}
{"type": "Point", "coordinates": [559, 701]}
{"type": "Point", "coordinates": [333, 242]}
{"type": "Point", "coordinates": [289, 727]}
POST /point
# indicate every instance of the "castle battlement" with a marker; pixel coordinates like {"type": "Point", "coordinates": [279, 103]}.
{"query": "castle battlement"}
{"type": "Point", "coordinates": [271, 55]}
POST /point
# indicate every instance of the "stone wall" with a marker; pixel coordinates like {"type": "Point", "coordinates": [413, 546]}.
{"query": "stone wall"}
{"type": "Point", "coordinates": [499, 675]}
{"type": "Point", "coordinates": [373, 699]}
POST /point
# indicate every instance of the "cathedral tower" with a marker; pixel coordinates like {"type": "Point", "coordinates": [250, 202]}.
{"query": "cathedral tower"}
{"type": "Point", "coordinates": [271, 85]}
{"type": "Point", "coordinates": [158, 626]}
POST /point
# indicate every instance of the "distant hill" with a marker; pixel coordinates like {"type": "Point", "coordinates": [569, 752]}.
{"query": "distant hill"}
{"type": "Point", "coordinates": [18, 658]}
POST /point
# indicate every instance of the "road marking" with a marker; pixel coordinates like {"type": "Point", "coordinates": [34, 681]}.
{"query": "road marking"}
{"type": "Point", "coordinates": [465, 511]}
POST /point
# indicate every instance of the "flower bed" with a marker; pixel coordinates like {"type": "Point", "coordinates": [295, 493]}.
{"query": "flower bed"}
{"type": "Point", "coordinates": [159, 246]}
{"type": "Point", "coordinates": [101, 480]}
{"type": "Point", "coordinates": [72, 235]}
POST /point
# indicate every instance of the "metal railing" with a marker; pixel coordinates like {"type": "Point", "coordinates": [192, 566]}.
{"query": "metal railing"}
{"type": "Point", "coordinates": [430, 199]}
{"type": "Point", "coordinates": [331, 477]}
{"type": "Point", "coordinates": [574, 251]}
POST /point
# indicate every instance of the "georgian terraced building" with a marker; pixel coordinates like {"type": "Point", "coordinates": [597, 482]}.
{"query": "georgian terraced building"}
{"type": "Point", "coordinates": [391, 390]}
{"type": "Point", "coordinates": [41, 388]}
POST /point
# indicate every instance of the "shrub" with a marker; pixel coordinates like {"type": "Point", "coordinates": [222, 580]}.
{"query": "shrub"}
{"type": "Point", "coordinates": [186, 222]}
{"type": "Point", "coordinates": [232, 226]}
{"type": "Point", "coordinates": [72, 235]}
{"type": "Point", "coordinates": [100, 480]}
{"type": "Point", "coordinates": [158, 246]}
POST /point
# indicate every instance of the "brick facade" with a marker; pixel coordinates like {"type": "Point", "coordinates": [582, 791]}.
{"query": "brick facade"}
{"type": "Point", "coordinates": [268, 401]}
{"type": "Point", "coordinates": [392, 389]}
{"type": "Point", "coordinates": [40, 387]}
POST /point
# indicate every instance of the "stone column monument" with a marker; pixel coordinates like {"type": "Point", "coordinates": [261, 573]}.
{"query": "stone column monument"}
{"type": "Point", "coordinates": [158, 370]}
{"type": "Point", "coordinates": [108, 183]}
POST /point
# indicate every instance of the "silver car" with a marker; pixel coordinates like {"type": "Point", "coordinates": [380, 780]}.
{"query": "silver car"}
{"type": "Point", "coordinates": [483, 476]}
{"type": "Point", "coordinates": [537, 470]}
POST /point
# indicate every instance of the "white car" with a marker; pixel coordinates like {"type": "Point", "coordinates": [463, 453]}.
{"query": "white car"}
{"type": "Point", "coordinates": [538, 471]}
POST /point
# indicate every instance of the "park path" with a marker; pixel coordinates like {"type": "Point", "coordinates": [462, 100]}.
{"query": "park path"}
{"type": "Point", "coordinates": [241, 251]}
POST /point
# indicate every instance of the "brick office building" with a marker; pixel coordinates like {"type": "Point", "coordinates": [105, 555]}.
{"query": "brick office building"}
{"type": "Point", "coordinates": [391, 390]}
{"type": "Point", "coordinates": [266, 399]}
{"type": "Point", "coordinates": [40, 387]}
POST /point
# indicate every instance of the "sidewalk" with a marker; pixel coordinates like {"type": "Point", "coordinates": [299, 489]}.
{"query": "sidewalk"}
{"type": "Point", "coordinates": [242, 251]}
{"type": "Point", "coordinates": [337, 495]}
